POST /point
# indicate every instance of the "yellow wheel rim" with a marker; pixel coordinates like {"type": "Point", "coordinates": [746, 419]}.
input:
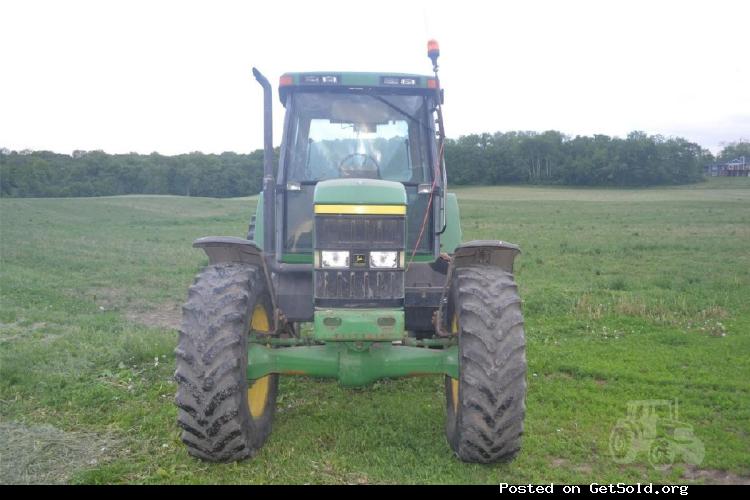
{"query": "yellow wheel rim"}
{"type": "Point", "coordinates": [454, 382]}
{"type": "Point", "coordinates": [454, 394]}
{"type": "Point", "coordinates": [257, 394]}
{"type": "Point", "coordinates": [259, 321]}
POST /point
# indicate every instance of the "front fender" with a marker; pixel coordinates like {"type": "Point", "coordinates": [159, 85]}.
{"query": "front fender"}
{"type": "Point", "coordinates": [226, 249]}
{"type": "Point", "coordinates": [491, 252]}
{"type": "Point", "coordinates": [222, 249]}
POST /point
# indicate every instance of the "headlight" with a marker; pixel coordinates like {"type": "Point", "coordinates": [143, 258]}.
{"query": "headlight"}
{"type": "Point", "coordinates": [387, 260]}
{"type": "Point", "coordinates": [334, 258]}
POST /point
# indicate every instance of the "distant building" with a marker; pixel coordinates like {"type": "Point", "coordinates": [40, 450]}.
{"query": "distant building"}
{"type": "Point", "coordinates": [738, 167]}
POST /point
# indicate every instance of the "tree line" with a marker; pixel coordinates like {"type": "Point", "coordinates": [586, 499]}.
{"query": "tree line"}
{"type": "Point", "coordinates": [501, 158]}
{"type": "Point", "coordinates": [553, 158]}
{"type": "Point", "coordinates": [96, 173]}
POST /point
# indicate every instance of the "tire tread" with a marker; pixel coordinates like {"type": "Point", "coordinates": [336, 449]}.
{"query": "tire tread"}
{"type": "Point", "coordinates": [491, 406]}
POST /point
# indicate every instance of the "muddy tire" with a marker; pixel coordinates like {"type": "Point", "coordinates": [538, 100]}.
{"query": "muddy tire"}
{"type": "Point", "coordinates": [223, 416]}
{"type": "Point", "coordinates": [486, 405]}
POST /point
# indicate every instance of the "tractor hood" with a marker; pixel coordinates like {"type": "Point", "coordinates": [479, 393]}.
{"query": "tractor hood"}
{"type": "Point", "coordinates": [359, 192]}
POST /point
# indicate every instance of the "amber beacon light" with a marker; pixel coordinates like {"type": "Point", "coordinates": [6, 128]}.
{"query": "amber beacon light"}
{"type": "Point", "coordinates": [433, 51]}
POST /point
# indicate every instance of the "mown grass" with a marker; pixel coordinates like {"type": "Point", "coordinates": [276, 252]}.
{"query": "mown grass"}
{"type": "Point", "coordinates": [628, 295]}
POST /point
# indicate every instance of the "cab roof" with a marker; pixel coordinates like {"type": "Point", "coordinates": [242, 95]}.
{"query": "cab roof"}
{"type": "Point", "coordinates": [343, 81]}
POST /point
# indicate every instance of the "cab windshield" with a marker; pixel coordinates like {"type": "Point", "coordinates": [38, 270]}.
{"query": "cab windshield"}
{"type": "Point", "coordinates": [375, 136]}
{"type": "Point", "coordinates": [334, 135]}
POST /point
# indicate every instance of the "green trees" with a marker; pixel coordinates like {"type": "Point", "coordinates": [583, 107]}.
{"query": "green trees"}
{"type": "Point", "coordinates": [95, 173]}
{"type": "Point", "coordinates": [735, 150]}
{"type": "Point", "coordinates": [501, 158]}
{"type": "Point", "coordinates": [553, 158]}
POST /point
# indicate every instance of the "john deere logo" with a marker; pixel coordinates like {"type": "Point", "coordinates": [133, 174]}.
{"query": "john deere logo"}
{"type": "Point", "coordinates": [359, 259]}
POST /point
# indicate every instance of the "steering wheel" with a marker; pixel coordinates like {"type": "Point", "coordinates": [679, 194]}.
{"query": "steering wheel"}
{"type": "Point", "coordinates": [361, 169]}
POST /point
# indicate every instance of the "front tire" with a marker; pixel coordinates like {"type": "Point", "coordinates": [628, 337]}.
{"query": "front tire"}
{"type": "Point", "coordinates": [486, 404]}
{"type": "Point", "coordinates": [224, 417]}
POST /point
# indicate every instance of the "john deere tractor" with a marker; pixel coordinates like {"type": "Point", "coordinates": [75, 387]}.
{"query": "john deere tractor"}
{"type": "Point", "coordinates": [353, 269]}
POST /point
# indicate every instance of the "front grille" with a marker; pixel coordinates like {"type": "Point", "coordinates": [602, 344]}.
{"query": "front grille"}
{"type": "Point", "coordinates": [359, 285]}
{"type": "Point", "coordinates": [343, 232]}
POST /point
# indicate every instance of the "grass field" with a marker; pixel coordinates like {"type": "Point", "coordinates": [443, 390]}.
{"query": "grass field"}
{"type": "Point", "coordinates": [628, 295]}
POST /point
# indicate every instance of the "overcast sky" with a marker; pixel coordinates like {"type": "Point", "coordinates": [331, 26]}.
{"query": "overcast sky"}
{"type": "Point", "coordinates": [174, 76]}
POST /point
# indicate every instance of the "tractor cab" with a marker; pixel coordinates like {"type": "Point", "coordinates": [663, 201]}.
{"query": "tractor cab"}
{"type": "Point", "coordinates": [356, 126]}
{"type": "Point", "coordinates": [360, 187]}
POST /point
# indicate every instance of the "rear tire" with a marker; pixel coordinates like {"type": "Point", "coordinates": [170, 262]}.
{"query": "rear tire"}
{"type": "Point", "coordinates": [486, 405]}
{"type": "Point", "coordinates": [223, 417]}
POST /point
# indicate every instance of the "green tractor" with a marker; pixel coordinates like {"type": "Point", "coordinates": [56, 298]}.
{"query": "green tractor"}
{"type": "Point", "coordinates": [353, 269]}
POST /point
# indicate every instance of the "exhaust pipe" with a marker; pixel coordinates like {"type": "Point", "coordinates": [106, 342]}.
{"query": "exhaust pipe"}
{"type": "Point", "coordinates": [269, 212]}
